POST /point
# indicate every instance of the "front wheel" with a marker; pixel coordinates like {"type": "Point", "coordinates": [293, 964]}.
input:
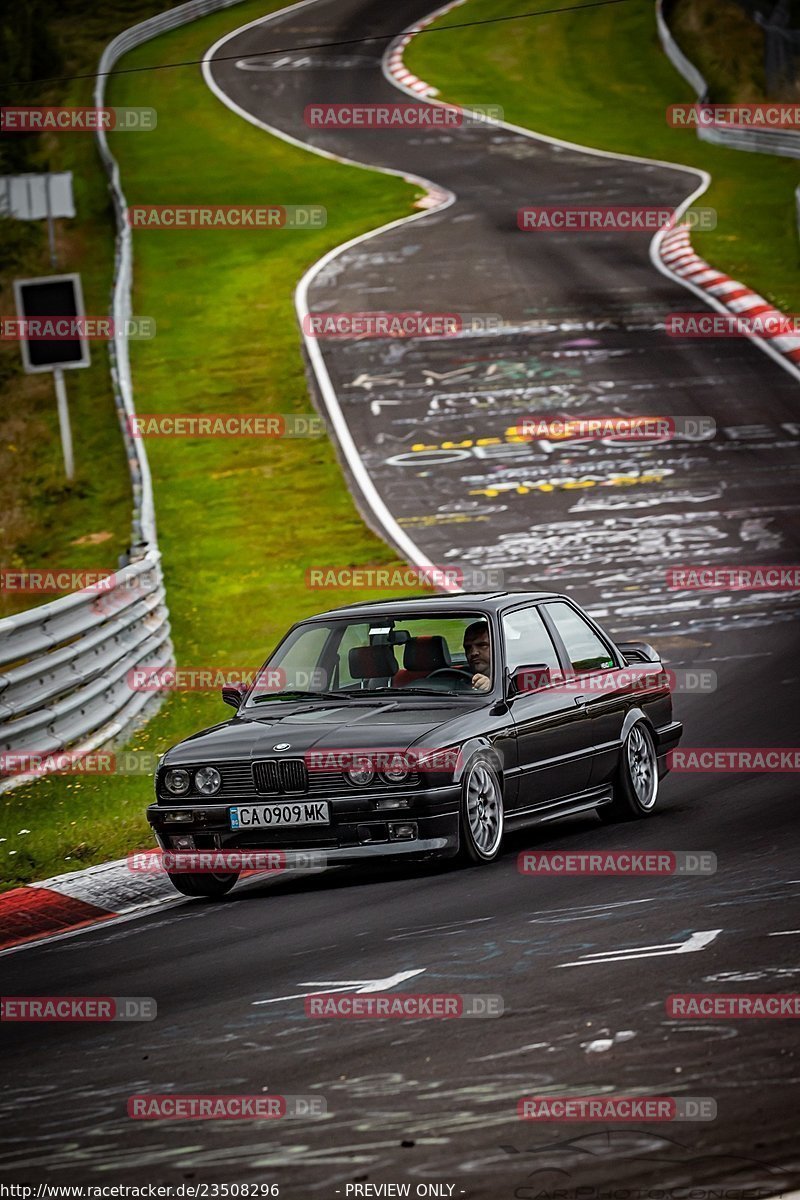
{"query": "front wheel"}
{"type": "Point", "coordinates": [213, 886]}
{"type": "Point", "coordinates": [636, 785]}
{"type": "Point", "coordinates": [481, 812]}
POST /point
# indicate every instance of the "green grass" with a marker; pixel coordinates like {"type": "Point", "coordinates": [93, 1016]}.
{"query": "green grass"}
{"type": "Point", "coordinates": [725, 45]}
{"type": "Point", "coordinates": [239, 520]}
{"type": "Point", "coordinates": [600, 78]}
{"type": "Point", "coordinates": [44, 520]}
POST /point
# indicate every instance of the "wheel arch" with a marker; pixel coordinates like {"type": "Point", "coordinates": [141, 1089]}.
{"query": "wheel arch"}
{"type": "Point", "coordinates": [473, 747]}
{"type": "Point", "coordinates": [632, 717]}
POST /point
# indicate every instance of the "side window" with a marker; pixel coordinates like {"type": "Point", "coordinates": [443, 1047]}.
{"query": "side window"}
{"type": "Point", "coordinates": [527, 640]}
{"type": "Point", "coordinates": [585, 649]}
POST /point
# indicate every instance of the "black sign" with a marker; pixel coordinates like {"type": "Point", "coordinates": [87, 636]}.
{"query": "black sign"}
{"type": "Point", "coordinates": [51, 297]}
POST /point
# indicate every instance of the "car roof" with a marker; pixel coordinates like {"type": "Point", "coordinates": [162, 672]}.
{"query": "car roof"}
{"type": "Point", "coordinates": [490, 601]}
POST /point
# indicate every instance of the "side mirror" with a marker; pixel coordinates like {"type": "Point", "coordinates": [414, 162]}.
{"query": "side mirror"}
{"type": "Point", "coordinates": [232, 696]}
{"type": "Point", "coordinates": [529, 678]}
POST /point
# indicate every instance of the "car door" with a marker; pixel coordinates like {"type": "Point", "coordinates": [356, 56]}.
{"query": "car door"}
{"type": "Point", "coordinates": [599, 686]}
{"type": "Point", "coordinates": [553, 732]}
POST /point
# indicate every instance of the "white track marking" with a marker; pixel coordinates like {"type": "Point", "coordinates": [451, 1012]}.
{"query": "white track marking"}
{"type": "Point", "coordinates": [353, 985]}
{"type": "Point", "coordinates": [696, 941]}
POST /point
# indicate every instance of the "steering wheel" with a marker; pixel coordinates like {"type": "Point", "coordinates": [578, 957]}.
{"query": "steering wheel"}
{"type": "Point", "coordinates": [452, 673]}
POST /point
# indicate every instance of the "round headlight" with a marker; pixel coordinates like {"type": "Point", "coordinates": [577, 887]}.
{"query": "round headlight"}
{"type": "Point", "coordinates": [177, 782]}
{"type": "Point", "coordinates": [396, 770]}
{"type": "Point", "coordinates": [361, 772]}
{"type": "Point", "coordinates": [208, 781]}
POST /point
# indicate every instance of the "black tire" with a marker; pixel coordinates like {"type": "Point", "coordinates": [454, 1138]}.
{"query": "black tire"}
{"type": "Point", "coordinates": [211, 886]}
{"type": "Point", "coordinates": [482, 817]}
{"type": "Point", "coordinates": [636, 782]}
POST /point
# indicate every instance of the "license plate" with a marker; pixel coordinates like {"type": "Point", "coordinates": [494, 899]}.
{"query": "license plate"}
{"type": "Point", "coordinates": [269, 816]}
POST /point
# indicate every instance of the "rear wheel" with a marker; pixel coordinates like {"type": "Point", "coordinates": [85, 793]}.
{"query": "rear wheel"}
{"type": "Point", "coordinates": [636, 785]}
{"type": "Point", "coordinates": [210, 885]}
{"type": "Point", "coordinates": [481, 812]}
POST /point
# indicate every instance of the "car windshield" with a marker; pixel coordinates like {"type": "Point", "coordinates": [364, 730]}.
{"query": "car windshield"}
{"type": "Point", "coordinates": [389, 655]}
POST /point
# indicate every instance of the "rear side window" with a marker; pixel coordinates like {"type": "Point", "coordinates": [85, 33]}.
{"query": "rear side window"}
{"type": "Point", "coordinates": [585, 650]}
{"type": "Point", "coordinates": [527, 640]}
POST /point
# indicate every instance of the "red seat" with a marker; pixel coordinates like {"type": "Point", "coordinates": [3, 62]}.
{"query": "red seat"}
{"type": "Point", "coordinates": [421, 656]}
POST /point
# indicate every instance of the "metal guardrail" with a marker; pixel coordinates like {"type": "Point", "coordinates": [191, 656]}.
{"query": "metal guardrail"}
{"type": "Point", "coordinates": [64, 666]}
{"type": "Point", "coordinates": [761, 141]}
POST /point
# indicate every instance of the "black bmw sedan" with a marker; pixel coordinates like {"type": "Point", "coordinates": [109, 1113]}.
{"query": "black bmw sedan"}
{"type": "Point", "coordinates": [423, 727]}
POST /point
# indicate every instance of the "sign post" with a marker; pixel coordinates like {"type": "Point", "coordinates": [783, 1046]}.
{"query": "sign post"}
{"type": "Point", "coordinates": [53, 339]}
{"type": "Point", "coordinates": [63, 422]}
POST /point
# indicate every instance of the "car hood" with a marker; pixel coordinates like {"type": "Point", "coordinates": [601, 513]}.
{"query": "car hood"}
{"type": "Point", "coordinates": [348, 725]}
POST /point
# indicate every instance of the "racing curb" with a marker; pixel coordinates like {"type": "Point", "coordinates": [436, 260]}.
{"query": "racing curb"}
{"type": "Point", "coordinates": [77, 900]}
{"type": "Point", "coordinates": [673, 249]}
{"type": "Point", "coordinates": [681, 261]}
{"type": "Point", "coordinates": [394, 59]}
{"type": "Point", "coordinates": [106, 892]}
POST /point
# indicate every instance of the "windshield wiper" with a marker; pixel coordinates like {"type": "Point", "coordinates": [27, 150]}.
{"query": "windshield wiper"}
{"type": "Point", "coordinates": [297, 694]}
{"type": "Point", "coordinates": [398, 693]}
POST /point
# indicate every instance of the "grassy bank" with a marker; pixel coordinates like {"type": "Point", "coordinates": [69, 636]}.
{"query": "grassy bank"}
{"type": "Point", "coordinates": [600, 77]}
{"type": "Point", "coordinates": [44, 520]}
{"type": "Point", "coordinates": [239, 519]}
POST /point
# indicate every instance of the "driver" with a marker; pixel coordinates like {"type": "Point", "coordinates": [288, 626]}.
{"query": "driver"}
{"type": "Point", "coordinates": [478, 649]}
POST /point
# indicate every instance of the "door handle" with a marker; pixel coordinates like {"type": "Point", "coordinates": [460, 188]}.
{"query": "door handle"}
{"type": "Point", "coordinates": [580, 700]}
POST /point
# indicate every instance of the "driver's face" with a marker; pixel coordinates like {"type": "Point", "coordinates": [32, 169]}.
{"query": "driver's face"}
{"type": "Point", "coordinates": [479, 654]}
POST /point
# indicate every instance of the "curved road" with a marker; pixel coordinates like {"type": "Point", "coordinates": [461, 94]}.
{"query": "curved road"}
{"type": "Point", "coordinates": [434, 1102]}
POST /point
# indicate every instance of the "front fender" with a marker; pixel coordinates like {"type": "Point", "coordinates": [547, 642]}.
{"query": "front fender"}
{"type": "Point", "coordinates": [477, 745]}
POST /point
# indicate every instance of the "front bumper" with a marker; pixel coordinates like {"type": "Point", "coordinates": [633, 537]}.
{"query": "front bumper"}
{"type": "Point", "coordinates": [351, 836]}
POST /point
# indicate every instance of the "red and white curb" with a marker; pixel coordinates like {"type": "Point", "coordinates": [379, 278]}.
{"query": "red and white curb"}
{"type": "Point", "coordinates": [396, 68]}
{"type": "Point", "coordinates": [671, 251]}
{"type": "Point", "coordinates": [680, 260]}
{"type": "Point", "coordinates": [78, 900]}
{"type": "Point", "coordinates": [111, 891]}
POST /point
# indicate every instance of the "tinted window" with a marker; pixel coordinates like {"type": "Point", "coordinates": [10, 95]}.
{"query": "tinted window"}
{"type": "Point", "coordinates": [585, 650]}
{"type": "Point", "coordinates": [527, 640]}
